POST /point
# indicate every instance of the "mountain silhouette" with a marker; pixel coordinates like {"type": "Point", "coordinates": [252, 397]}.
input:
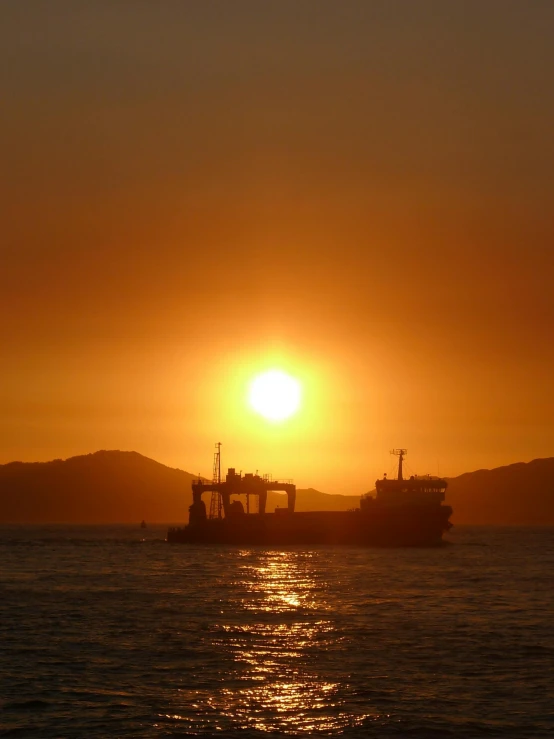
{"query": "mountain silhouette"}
{"type": "Point", "coordinates": [104, 487]}
{"type": "Point", "coordinates": [126, 487]}
{"type": "Point", "coordinates": [521, 493]}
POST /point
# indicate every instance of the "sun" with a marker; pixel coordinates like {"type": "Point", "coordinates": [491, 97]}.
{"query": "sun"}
{"type": "Point", "coordinates": [275, 395]}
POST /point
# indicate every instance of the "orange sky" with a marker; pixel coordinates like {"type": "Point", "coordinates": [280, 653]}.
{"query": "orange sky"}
{"type": "Point", "coordinates": [361, 192]}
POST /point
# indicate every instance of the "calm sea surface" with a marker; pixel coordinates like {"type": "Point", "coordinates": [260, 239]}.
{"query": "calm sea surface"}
{"type": "Point", "coordinates": [111, 632]}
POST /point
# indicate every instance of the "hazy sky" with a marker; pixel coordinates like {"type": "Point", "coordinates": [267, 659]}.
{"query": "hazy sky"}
{"type": "Point", "coordinates": [361, 192]}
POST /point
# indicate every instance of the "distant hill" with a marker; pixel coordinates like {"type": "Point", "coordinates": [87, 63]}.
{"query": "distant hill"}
{"type": "Point", "coordinates": [521, 493]}
{"type": "Point", "coordinates": [104, 487]}
{"type": "Point", "coordinates": [125, 487]}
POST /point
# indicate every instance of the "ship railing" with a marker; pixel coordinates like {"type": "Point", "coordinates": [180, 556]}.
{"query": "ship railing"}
{"type": "Point", "coordinates": [283, 481]}
{"type": "Point", "coordinates": [268, 477]}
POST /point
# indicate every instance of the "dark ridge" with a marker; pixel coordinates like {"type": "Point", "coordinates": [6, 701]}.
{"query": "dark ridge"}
{"type": "Point", "coordinates": [126, 487]}
{"type": "Point", "coordinates": [104, 487]}
{"type": "Point", "coordinates": [517, 494]}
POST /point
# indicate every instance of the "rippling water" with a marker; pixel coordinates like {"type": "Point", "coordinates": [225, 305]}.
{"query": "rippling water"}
{"type": "Point", "coordinates": [109, 631]}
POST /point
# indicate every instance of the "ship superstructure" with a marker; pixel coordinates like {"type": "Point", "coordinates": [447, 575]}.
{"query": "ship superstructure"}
{"type": "Point", "coordinates": [416, 490]}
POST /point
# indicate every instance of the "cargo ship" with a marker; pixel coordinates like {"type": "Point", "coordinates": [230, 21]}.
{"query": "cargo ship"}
{"type": "Point", "coordinates": [402, 512]}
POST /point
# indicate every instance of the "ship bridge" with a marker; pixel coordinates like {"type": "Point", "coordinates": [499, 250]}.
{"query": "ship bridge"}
{"type": "Point", "coordinates": [238, 484]}
{"type": "Point", "coordinates": [417, 490]}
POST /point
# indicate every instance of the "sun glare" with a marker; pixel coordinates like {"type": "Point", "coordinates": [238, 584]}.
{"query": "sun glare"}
{"type": "Point", "coordinates": [275, 395]}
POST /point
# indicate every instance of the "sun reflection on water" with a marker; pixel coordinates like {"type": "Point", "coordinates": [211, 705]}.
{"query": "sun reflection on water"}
{"type": "Point", "coordinates": [281, 583]}
{"type": "Point", "coordinates": [275, 635]}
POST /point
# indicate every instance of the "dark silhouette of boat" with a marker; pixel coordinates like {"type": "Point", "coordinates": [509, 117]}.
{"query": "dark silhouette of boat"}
{"type": "Point", "coordinates": [403, 512]}
{"type": "Point", "coordinates": [143, 524]}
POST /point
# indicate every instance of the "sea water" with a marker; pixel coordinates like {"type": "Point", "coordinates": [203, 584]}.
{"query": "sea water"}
{"type": "Point", "coordinates": [112, 632]}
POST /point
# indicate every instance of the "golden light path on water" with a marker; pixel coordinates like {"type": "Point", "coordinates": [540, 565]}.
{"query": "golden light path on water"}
{"type": "Point", "coordinates": [274, 651]}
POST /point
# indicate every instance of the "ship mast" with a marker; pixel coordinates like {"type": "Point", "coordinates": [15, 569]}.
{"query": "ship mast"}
{"type": "Point", "coordinates": [400, 453]}
{"type": "Point", "coordinates": [215, 503]}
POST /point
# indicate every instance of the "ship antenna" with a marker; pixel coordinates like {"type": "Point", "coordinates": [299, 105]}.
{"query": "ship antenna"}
{"type": "Point", "coordinates": [400, 453]}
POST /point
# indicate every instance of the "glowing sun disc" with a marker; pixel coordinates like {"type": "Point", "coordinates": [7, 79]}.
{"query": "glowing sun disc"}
{"type": "Point", "coordinates": [275, 395]}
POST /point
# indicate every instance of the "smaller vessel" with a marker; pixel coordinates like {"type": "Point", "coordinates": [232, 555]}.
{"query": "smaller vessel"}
{"type": "Point", "coordinates": [143, 524]}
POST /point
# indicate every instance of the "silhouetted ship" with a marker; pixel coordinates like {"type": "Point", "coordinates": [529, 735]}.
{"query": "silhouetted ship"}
{"type": "Point", "coordinates": [402, 513]}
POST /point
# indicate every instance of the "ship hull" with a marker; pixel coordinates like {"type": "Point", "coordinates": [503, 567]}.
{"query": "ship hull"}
{"type": "Point", "coordinates": [411, 526]}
